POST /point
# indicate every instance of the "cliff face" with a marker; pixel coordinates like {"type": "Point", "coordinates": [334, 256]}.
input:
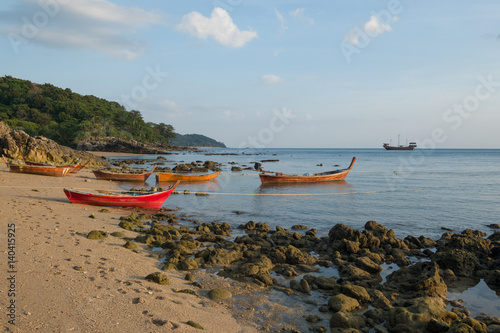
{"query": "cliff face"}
{"type": "Point", "coordinates": [16, 144]}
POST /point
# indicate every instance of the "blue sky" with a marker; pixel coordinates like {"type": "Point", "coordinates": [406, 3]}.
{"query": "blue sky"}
{"type": "Point", "coordinates": [311, 73]}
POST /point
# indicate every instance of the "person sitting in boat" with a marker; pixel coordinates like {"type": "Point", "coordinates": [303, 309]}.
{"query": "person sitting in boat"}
{"type": "Point", "coordinates": [258, 167]}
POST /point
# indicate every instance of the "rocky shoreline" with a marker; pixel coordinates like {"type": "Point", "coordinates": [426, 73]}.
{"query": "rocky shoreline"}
{"type": "Point", "coordinates": [411, 299]}
{"type": "Point", "coordinates": [17, 144]}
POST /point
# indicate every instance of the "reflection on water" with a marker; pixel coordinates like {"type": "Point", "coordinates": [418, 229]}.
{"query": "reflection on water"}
{"type": "Point", "coordinates": [478, 297]}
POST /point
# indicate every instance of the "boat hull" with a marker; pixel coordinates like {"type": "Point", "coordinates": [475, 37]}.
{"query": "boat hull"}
{"type": "Point", "coordinates": [149, 201]}
{"type": "Point", "coordinates": [168, 177]}
{"type": "Point", "coordinates": [40, 170]}
{"type": "Point", "coordinates": [323, 177]}
{"type": "Point", "coordinates": [399, 148]}
{"type": "Point", "coordinates": [127, 177]}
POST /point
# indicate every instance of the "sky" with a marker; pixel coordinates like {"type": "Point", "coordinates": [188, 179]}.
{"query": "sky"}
{"type": "Point", "coordinates": [274, 74]}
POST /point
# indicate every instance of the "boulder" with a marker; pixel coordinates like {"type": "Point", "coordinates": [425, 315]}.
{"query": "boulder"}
{"type": "Point", "coordinates": [421, 279]}
{"type": "Point", "coordinates": [16, 144]}
{"type": "Point", "coordinates": [342, 302]}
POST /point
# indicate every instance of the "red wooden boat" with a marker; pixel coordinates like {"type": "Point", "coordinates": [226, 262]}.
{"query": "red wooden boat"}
{"type": "Point", "coordinates": [278, 177]}
{"type": "Point", "coordinates": [76, 167]}
{"type": "Point", "coordinates": [129, 177]}
{"type": "Point", "coordinates": [38, 169]}
{"type": "Point", "coordinates": [149, 200]}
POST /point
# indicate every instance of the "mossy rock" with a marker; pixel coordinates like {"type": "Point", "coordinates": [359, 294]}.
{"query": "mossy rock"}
{"type": "Point", "coordinates": [131, 245]}
{"type": "Point", "coordinates": [97, 234]}
{"type": "Point", "coordinates": [219, 294]}
{"type": "Point", "coordinates": [158, 277]}
{"type": "Point", "coordinates": [195, 325]}
{"type": "Point", "coordinates": [189, 277]}
{"type": "Point", "coordinates": [118, 234]}
{"type": "Point", "coordinates": [187, 291]}
{"type": "Point", "coordinates": [236, 168]}
{"type": "Point", "coordinates": [187, 264]}
{"type": "Point", "coordinates": [104, 210]}
{"type": "Point", "coordinates": [299, 227]}
{"type": "Point", "coordinates": [169, 267]}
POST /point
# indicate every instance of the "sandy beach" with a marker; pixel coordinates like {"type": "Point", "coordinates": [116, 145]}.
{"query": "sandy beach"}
{"type": "Point", "coordinates": [60, 281]}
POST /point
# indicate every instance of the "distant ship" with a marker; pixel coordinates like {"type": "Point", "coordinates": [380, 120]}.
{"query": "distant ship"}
{"type": "Point", "coordinates": [410, 146]}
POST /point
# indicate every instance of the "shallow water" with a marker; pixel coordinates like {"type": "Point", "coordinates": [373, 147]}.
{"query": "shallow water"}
{"type": "Point", "coordinates": [413, 192]}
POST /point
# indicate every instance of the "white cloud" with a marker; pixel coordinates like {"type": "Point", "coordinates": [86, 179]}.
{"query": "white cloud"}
{"type": "Point", "coordinates": [376, 27]}
{"type": "Point", "coordinates": [219, 26]}
{"type": "Point", "coordinates": [370, 29]}
{"type": "Point", "coordinates": [281, 19]}
{"type": "Point", "coordinates": [299, 14]}
{"type": "Point", "coordinates": [271, 79]}
{"type": "Point", "coordinates": [277, 52]}
{"type": "Point", "coordinates": [100, 26]}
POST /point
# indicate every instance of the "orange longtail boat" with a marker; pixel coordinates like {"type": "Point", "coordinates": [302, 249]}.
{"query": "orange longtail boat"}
{"type": "Point", "coordinates": [268, 177]}
{"type": "Point", "coordinates": [168, 177]}
{"type": "Point", "coordinates": [148, 200]}
{"type": "Point", "coordinates": [129, 177]}
{"type": "Point", "coordinates": [76, 167]}
{"type": "Point", "coordinates": [55, 171]}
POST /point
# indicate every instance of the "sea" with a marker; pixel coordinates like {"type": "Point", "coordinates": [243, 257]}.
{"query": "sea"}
{"type": "Point", "coordinates": [421, 192]}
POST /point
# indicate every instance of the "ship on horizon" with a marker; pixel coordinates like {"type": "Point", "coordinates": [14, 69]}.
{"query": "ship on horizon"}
{"type": "Point", "coordinates": [389, 146]}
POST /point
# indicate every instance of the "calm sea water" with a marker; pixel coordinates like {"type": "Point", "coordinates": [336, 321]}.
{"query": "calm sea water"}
{"type": "Point", "coordinates": [413, 192]}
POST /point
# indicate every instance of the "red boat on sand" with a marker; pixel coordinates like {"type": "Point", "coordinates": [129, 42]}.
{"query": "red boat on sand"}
{"type": "Point", "coordinates": [128, 177]}
{"type": "Point", "coordinates": [149, 200]}
{"type": "Point", "coordinates": [268, 177]}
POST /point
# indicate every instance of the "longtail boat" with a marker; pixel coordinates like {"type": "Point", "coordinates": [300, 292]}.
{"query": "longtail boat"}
{"type": "Point", "coordinates": [168, 177]}
{"type": "Point", "coordinates": [268, 177]}
{"type": "Point", "coordinates": [38, 169]}
{"type": "Point", "coordinates": [149, 200]}
{"type": "Point", "coordinates": [76, 167]}
{"type": "Point", "coordinates": [129, 177]}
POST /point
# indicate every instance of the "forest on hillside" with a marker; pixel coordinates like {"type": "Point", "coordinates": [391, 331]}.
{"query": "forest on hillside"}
{"type": "Point", "coordinates": [70, 118]}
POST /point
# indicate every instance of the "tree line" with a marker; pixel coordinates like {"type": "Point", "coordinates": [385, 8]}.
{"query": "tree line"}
{"type": "Point", "coordinates": [70, 118]}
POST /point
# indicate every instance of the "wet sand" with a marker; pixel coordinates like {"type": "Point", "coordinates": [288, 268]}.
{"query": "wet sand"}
{"type": "Point", "coordinates": [61, 281]}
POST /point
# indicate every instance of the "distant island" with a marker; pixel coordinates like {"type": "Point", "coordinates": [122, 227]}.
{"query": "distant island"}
{"type": "Point", "coordinates": [195, 140]}
{"type": "Point", "coordinates": [76, 120]}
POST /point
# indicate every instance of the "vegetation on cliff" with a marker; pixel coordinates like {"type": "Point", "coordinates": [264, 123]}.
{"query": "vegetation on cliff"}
{"type": "Point", "coordinates": [70, 118]}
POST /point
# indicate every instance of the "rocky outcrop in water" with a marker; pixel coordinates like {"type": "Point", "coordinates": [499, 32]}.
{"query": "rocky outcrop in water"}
{"type": "Point", "coordinates": [16, 144]}
{"type": "Point", "coordinates": [128, 146]}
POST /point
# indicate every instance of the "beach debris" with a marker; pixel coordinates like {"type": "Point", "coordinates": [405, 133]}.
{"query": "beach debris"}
{"type": "Point", "coordinates": [195, 325]}
{"type": "Point", "coordinates": [138, 300]}
{"type": "Point", "coordinates": [131, 245]}
{"type": "Point", "coordinates": [219, 294]}
{"type": "Point", "coordinates": [92, 216]}
{"type": "Point", "coordinates": [78, 268]}
{"type": "Point", "coordinates": [163, 323]}
{"type": "Point", "coordinates": [97, 234]}
{"type": "Point", "coordinates": [35, 190]}
{"type": "Point", "coordinates": [158, 277]}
